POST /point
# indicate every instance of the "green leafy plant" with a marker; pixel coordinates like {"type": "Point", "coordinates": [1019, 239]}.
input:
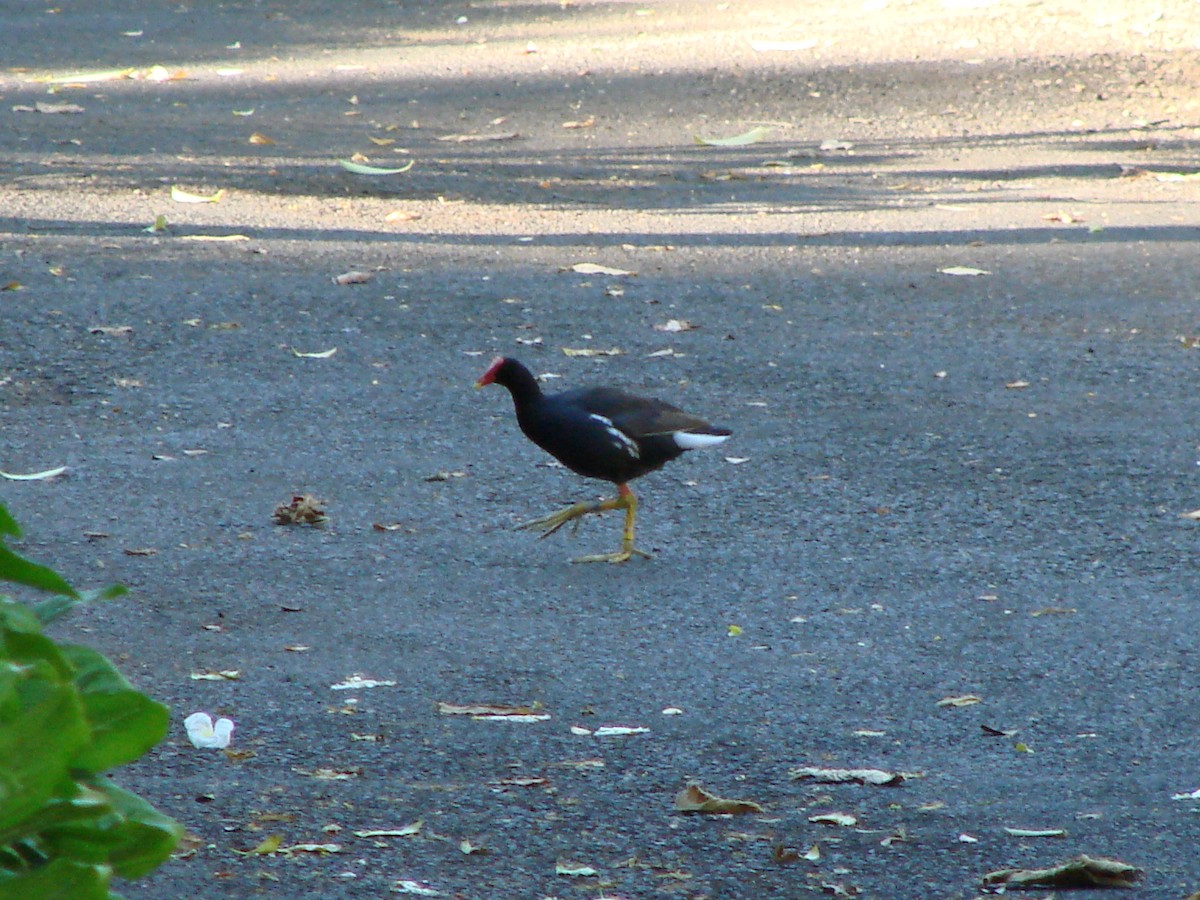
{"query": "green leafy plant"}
{"type": "Point", "coordinates": [67, 716]}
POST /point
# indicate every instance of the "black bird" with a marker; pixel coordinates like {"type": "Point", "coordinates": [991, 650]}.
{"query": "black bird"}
{"type": "Point", "coordinates": [600, 432]}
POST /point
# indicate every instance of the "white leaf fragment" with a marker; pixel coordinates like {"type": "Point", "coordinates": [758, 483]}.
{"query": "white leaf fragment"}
{"type": "Point", "coordinates": [597, 269]}
{"type": "Point", "coordinates": [321, 354]}
{"type": "Point", "coordinates": [35, 476]}
{"type": "Point", "coordinates": [964, 270]}
{"type": "Point", "coordinates": [1036, 832]}
{"type": "Point", "coordinates": [618, 731]}
{"type": "Point", "coordinates": [753, 136]}
{"type": "Point", "coordinates": [848, 776]}
{"type": "Point", "coordinates": [843, 819]}
{"type": "Point", "coordinates": [406, 886]}
{"type": "Point", "coordinates": [356, 682]}
{"type": "Point", "coordinates": [206, 734]}
{"type": "Point", "coordinates": [360, 169]}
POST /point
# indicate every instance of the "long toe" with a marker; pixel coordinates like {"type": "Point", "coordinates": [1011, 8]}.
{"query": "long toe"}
{"type": "Point", "coordinates": [547, 525]}
{"type": "Point", "coordinates": [619, 557]}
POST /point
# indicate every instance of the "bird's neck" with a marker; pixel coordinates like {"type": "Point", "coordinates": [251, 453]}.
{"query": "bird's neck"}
{"type": "Point", "coordinates": [524, 388]}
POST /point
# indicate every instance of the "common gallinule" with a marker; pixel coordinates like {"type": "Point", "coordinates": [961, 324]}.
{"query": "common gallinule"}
{"type": "Point", "coordinates": [602, 433]}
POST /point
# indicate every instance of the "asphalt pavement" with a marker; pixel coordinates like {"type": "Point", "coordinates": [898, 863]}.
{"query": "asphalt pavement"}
{"type": "Point", "coordinates": [942, 286]}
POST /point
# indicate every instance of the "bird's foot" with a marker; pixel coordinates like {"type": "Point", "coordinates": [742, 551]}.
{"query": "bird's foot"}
{"type": "Point", "coordinates": [622, 555]}
{"type": "Point", "coordinates": [547, 525]}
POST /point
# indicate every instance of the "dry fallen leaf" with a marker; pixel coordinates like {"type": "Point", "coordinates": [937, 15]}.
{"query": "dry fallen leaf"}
{"type": "Point", "coordinates": [960, 700]}
{"type": "Point", "coordinates": [51, 108]}
{"type": "Point", "coordinates": [327, 774]}
{"type": "Point", "coordinates": [406, 831]}
{"type": "Point", "coordinates": [619, 730]}
{"type": "Point", "coordinates": [597, 269]}
{"type": "Point", "coordinates": [1082, 871]}
{"type": "Point", "coordinates": [963, 270]}
{"type": "Point", "coordinates": [363, 169]}
{"type": "Point", "coordinates": [261, 140]}
{"type": "Point", "coordinates": [303, 510]}
{"type": "Point", "coordinates": [753, 136]}
{"type": "Point", "coordinates": [445, 476]}
{"type": "Point", "coordinates": [590, 351]}
{"type": "Point", "coordinates": [222, 675]}
{"type": "Point", "coordinates": [323, 354]}
{"type": "Point", "coordinates": [47, 475]}
{"type": "Point", "coordinates": [179, 195]}
{"type": "Point", "coordinates": [486, 712]}
{"type": "Point", "coordinates": [352, 278]}
{"type": "Point", "coordinates": [574, 869]}
{"type": "Point", "coordinates": [695, 799]}
{"type": "Point", "coordinates": [111, 330]}
{"type": "Point", "coordinates": [673, 325]}
{"type": "Point", "coordinates": [140, 551]}
{"type": "Point", "coordinates": [848, 776]}
{"type": "Point", "coordinates": [419, 888]}
{"type": "Point", "coordinates": [475, 138]}
{"type": "Point", "coordinates": [1036, 832]}
{"type": "Point", "coordinates": [356, 682]}
{"type": "Point", "coordinates": [843, 819]}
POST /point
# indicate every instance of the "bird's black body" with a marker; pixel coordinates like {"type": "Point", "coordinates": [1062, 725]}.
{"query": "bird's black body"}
{"type": "Point", "coordinates": [600, 432]}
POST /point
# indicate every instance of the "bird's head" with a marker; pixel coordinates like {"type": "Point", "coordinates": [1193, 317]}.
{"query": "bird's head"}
{"type": "Point", "coordinates": [489, 377]}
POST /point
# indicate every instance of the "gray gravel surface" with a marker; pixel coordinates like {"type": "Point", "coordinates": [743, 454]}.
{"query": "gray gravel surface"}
{"type": "Point", "coordinates": [939, 485]}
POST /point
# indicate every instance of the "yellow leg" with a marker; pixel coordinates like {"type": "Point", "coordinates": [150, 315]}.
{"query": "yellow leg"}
{"type": "Point", "coordinates": [625, 500]}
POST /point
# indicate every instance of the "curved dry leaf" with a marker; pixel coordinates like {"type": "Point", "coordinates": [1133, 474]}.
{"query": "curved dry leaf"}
{"type": "Point", "coordinates": [352, 278]}
{"type": "Point", "coordinates": [406, 831]}
{"type": "Point", "coordinates": [574, 869]}
{"type": "Point", "coordinates": [695, 799]}
{"type": "Point", "coordinates": [47, 475]}
{"type": "Point", "coordinates": [843, 819]}
{"type": "Point", "coordinates": [483, 709]}
{"type": "Point", "coordinates": [261, 140]}
{"type": "Point", "coordinates": [476, 138]}
{"type": "Point", "coordinates": [179, 195]}
{"type": "Point", "coordinates": [323, 354]}
{"type": "Point", "coordinates": [360, 169]}
{"type": "Point", "coordinates": [407, 886]}
{"type": "Point", "coordinates": [1036, 832]}
{"type": "Point", "coordinates": [305, 509]}
{"type": "Point", "coordinates": [619, 731]}
{"type": "Point", "coordinates": [960, 700]}
{"type": "Point", "coordinates": [597, 269]}
{"type": "Point", "coordinates": [877, 777]}
{"type": "Point", "coordinates": [1082, 871]}
{"type": "Point", "coordinates": [674, 325]}
{"type": "Point", "coordinates": [590, 351]}
{"type": "Point", "coordinates": [964, 270]}
{"type": "Point", "coordinates": [753, 136]}
{"type": "Point", "coordinates": [357, 682]}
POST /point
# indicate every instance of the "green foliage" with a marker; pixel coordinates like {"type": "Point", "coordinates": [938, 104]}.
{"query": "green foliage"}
{"type": "Point", "coordinates": [67, 716]}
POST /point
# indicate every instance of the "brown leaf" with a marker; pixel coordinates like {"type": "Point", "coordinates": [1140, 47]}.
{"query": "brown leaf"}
{"type": "Point", "coordinates": [695, 799]}
{"type": "Point", "coordinates": [303, 510]}
{"type": "Point", "coordinates": [1082, 871]}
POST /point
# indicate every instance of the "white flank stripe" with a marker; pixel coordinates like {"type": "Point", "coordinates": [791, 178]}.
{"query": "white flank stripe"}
{"type": "Point", "coordinates": [621, 440]}
{"type": "Point", "coordinates": [689, 441]}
